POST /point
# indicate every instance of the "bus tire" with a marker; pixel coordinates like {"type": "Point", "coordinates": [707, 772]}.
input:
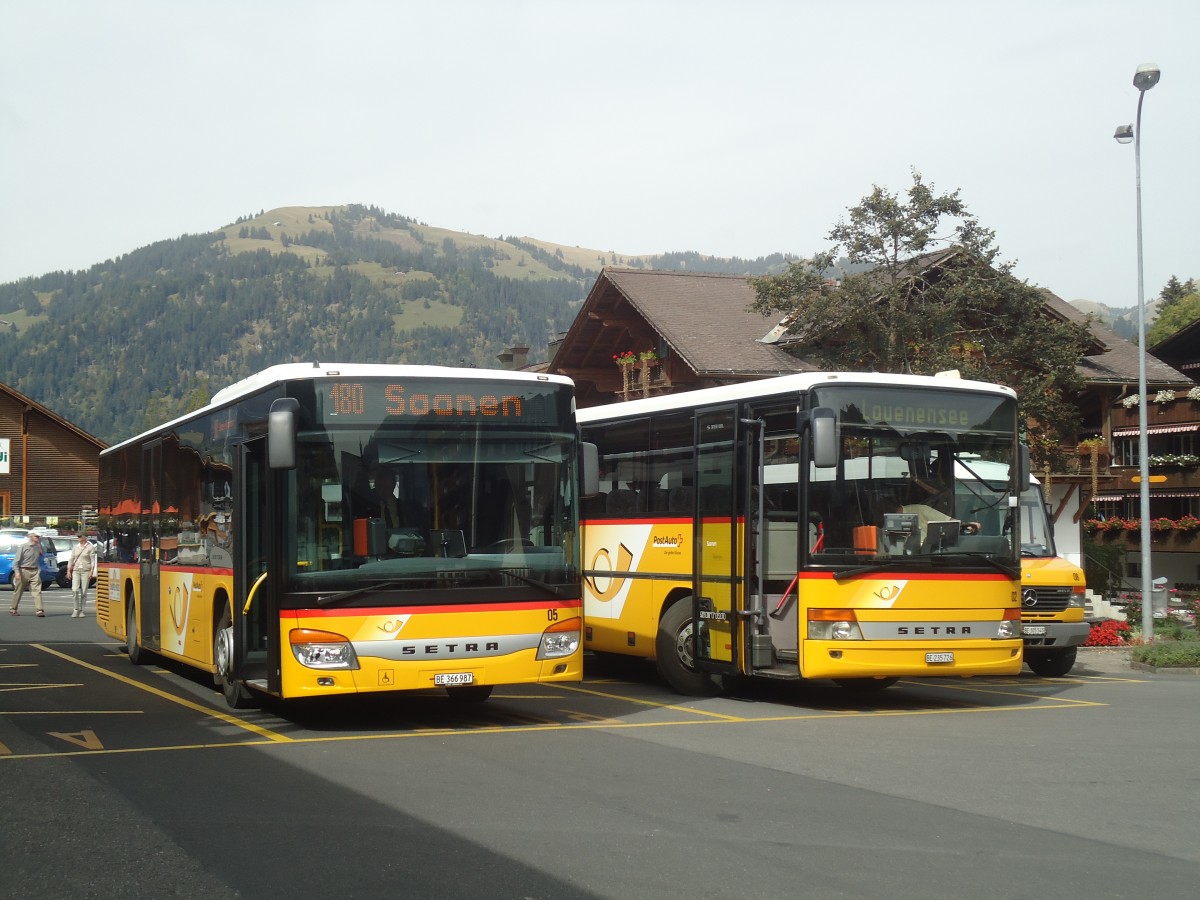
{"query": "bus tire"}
{"type": "Point", "coordinates": [673, 652]}
{"type": "Point", "coordinates": [137, 654]}
{"type": "Point", "coordinates": [237, 695]}
{"type": "Point", "coordinates": [469, 693]}
{"type": "Point", "coordinates": [865, 685]}
{"type": "Point", "coordinates": [1051, 663]}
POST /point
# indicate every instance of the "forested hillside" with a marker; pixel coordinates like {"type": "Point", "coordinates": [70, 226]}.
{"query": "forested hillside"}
{"type": "Point", "coordinates": [156, 332]}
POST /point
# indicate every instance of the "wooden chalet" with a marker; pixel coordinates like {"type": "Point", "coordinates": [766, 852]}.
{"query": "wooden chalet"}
{"type": "Point", "coordinates": [49, 468]}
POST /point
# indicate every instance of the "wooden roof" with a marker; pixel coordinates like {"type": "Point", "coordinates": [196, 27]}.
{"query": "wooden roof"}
{"type": "Point", "coordinates": [31, 404]}
{"type": "Point", "coordinates": [705, 335]}
{"type": "Point", "coordinates": [699, 324]}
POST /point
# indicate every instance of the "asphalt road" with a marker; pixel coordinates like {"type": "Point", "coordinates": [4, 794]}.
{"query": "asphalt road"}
{"type": "Point", "coordinates": [124, 781]}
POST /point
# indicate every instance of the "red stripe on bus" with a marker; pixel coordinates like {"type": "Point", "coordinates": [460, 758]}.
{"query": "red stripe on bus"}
{"type": "Point", "coordinates": [914, 576]}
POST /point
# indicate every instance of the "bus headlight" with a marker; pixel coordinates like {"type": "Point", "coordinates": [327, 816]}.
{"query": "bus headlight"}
{"type": "Point", "coordinates": [833, 625]}
{"type": "Point", "coordinates": [1077, 600]}
{"type": "Point", "coordinates": [322, 649]}
{"type": "Point", "coordinates": [560, 639]}
{"type": "Point", "coordinates": [1010, 625]}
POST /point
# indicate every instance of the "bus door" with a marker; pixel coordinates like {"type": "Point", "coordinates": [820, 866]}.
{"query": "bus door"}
{"type": "Point", "coordinates": [716, 584]}
{"type": "Point", "coordinates": [149, 553]}
{"type": "Point", "coordinates": [256, 631]}
{"type": "Point", "coordinates": [771, 531]}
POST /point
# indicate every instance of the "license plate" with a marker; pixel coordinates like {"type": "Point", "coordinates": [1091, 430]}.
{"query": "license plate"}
{"type": "Point", "coordinates": [454, 678]}
{"type": "Point", "coordinates": [1033, 629]}
{"type": "Point", "coordinates": [939, 657]}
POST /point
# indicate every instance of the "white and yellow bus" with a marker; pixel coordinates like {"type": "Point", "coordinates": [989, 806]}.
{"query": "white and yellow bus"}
{"type": "Point", "coordinates": [320, 530]}
{"type": "Point", "coordinates": [806, 527]}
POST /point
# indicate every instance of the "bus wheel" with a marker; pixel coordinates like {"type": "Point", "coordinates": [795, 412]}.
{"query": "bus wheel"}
{"type": "Point", "coordinates": [137, 655]}
{"type": "Point", "coordinates": [865, 685]}
{"type": "Point", "coordinates": [469, 693]}
{"type": "Point", "coordinates": [673, 652]}
{"type": "Point", "coordinates": [1051, 663]}
{"type": "Point", "coordinates": [237, 695]}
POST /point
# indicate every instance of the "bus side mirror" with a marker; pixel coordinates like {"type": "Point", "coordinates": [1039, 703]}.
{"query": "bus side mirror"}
{"type": "Point", "coordinates": [1023, 473]}
{"type": "Point", "coordinates": [823, 425]}
{"type": "Point", "coordinates": [589, 469]}
{"type": "Point", "coordinates": [281, 433]}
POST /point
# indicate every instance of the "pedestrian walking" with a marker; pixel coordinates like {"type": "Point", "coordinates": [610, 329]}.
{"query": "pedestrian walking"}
{"type": "Point", "coordinates": [81, 569]}
{"type": "Point", "coordinates": [27, 573]}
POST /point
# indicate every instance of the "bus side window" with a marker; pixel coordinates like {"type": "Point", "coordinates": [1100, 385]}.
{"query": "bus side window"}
{"type": "Point", "coordinates": [594, 506]}
{"type": "Point", "coordinates": [679, 499]}
{"type": "Point", "coordinates": [622, 500]}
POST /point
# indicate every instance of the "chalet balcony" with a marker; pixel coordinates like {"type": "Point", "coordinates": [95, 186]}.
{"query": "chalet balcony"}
{"type": "Point", "coordinates": [1167, 541]}
{"type": "Point", "coordinates": [1177, 412]}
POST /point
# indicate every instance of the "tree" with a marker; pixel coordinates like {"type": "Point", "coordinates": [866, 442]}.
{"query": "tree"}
{"type": "Point", "coordinates": [935, 297]}
{"type": "Point", "coordinates": [1175, 291]}
{"type": "Point", "coordinates": [1180, 313]}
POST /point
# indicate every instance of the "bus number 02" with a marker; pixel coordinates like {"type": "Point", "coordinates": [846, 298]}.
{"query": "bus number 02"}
{"type": "Point", "coordinates": [347, 399]}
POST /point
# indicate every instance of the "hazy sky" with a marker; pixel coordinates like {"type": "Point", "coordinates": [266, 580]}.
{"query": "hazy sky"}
{"type": "Point", "coordinates": [732, 128]}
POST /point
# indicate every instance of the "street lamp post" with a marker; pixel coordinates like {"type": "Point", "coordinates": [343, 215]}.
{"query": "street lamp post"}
{"type": "Point", "coordinates": [1144, 78]}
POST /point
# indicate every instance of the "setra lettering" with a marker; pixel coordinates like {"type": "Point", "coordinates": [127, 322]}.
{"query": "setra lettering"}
{"type": "Point", "coordinates": [934, 630]}
{"type": "Point", "coordinates": [438, 649]}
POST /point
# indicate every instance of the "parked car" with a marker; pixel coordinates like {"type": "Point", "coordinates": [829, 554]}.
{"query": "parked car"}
{"type": "Point", "coordinates": [10, 540]}
{"type": "Point", "coordinates": [59, 545]}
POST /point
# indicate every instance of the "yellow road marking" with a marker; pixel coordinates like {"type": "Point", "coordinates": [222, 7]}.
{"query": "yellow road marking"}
{"type": "Point", "coordinates": [32, 686]}
{"type": "Point", "coordinates": [198, 707]}
{"type": "Point", "coordinates": [651, 703]}
{"type": "Point", "coordinates": [86, 738]}
{"type": "Point", "coordinates": [527, 729]}
{"type": "Point", "coordinates": [72, 712]}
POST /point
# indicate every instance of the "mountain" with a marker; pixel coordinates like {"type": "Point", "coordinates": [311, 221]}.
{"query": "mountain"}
{"type": "Point", "coordinates": [154, 333]}
{"type": "Point", "coordinates": [1122, 321]}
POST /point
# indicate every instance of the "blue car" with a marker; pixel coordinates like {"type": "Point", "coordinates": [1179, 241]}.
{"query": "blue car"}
{"type": "Point", "coordinates": [9, 542]}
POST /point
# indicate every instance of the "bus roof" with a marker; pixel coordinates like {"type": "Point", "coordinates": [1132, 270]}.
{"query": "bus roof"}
{"type": "Point", "coordinates": [302, 371]}
{"type": "Point", "coordinates": [783, 384]}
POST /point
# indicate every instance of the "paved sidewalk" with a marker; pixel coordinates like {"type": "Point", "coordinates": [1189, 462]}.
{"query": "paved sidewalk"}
{"type": "Point", "coordinates": [1108, 660]}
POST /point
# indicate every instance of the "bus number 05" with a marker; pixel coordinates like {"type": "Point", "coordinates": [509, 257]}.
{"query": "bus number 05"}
{"type": "Point", "coordinates": [552, 615]}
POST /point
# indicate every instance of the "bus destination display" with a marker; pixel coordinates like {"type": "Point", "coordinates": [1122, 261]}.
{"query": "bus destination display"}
{"type": "Point", "coordinates": [373, 401]}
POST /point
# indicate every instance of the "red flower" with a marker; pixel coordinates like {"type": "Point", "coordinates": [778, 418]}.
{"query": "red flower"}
{"type": "Point", "coordinates": [1109, 633]}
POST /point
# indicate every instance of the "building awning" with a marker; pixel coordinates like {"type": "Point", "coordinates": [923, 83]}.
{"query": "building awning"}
{"type": "Point", "coordinates": [1156, 429]}
{"type": "Point", "coordinates": [1108, 498]}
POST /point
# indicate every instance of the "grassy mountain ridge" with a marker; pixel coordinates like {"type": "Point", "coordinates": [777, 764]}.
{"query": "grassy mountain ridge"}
{"type": "Point", "coordinates": [136, 340]}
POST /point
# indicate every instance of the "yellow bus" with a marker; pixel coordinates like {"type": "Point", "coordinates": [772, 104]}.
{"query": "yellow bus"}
{"type": "Point", "coordinates": [1053, 592]}
{"type": "Point", "coordinates": [806, 526]}
{"type": "Point", "coordinates": [321, 530]}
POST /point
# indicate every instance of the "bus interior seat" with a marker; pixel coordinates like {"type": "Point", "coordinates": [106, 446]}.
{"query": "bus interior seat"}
{"type": "Point", "coordinates": [622, 500]}
{"type": "Point", "coordinates": [715, 498]}
{"type": "Point", "coordinates": [594, 506]}
{"type": "Point", "coordinates": [679, 499]}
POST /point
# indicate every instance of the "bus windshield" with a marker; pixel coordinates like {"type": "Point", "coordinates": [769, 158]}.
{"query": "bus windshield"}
{"type": "Point", "coordinates": [461, 504]}
{"type": "Point", "coordinates": [1035, 528]}
{"type": "Point", "coordinates": [905, 485]}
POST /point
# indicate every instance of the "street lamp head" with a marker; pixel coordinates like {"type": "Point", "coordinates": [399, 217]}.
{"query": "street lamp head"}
{"type": "Point", "coordinates": [1123, 134]}
{"type": "Point", "coordinates": [1146, 76]}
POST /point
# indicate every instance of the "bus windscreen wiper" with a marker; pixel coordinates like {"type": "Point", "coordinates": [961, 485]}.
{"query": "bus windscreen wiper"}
{"type": "Point", "coordinates": [549, 588]}
{"type": "Point", "coordinates": [893, 563]}
{"type": "Point", "coordinates": [354, 592]}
